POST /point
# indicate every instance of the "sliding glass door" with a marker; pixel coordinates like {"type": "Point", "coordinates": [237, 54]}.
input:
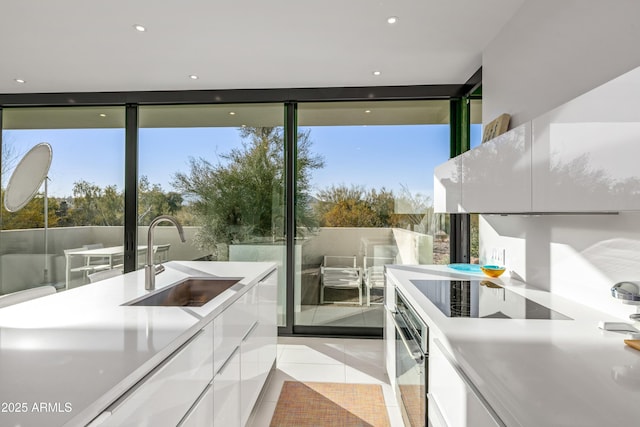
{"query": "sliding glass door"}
{"type": "Point", "coordinates": [365, 183]}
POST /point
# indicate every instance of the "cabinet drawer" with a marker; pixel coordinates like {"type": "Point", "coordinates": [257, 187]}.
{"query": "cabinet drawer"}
{"type": "Point", "coordinates": [231, 326]}
{"type": "Point", "coordinates": [226, 392]}
{"type": "Point", "coordinates": [201, 414]}
{"type": "Point", "coordinates": [452, 394]}
{"type": "Point", "coordinates": [165, 395]}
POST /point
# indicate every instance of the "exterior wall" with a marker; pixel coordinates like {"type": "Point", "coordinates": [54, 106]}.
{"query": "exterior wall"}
{"type": "Point", "coordinates": [22, 256]}
{"type": "Point", "coordinates": [549, 53]}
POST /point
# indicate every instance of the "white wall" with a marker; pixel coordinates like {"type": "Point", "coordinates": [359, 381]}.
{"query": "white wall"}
{"type": "Point", "coordinates": [552, 51]}
{"type": "Point", "coordinates": [549, 53]}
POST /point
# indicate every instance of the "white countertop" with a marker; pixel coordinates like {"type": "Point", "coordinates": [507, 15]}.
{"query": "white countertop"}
{"type": "Point", "coordinates": [537, 372]}
{"type": "Point", "coordinates": [77, 351]}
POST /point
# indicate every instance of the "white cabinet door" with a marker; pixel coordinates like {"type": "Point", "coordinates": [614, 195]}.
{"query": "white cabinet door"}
{"type": "Point", "coordinates": [226, 392]}
{"type": "Point", "coordinates": [201, 414]}
{"type": "Point", "coordinates": [447, 186]}
{"type": "Point", "coordinates": [585, 152]}
{"type": "Point", "coordinates": [250, 377]}
{"type": "Point", "coordinates": [229, 328]}
{"type": "Point", "coordinates": [267, 331]}
{"type": "Point", "coordinates": [259, 345]}
{"type": "Point", "coordinates": [166, 394]}
{"type": "Point", "coordinates": [452, 400]}
{"type": "Point", "coordinates": [496, 176]}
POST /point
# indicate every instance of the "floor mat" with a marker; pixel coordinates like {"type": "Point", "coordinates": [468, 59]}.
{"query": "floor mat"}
{"type": "Point", "coordinates": [330, 404]}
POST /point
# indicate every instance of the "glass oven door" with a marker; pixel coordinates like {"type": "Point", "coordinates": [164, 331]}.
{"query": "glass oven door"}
{"type": "Point", "coordinates": [411, 365]}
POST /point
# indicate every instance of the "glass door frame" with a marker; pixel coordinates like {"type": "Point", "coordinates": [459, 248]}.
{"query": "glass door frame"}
{"type": "Point", "coordinates": [289, 97]}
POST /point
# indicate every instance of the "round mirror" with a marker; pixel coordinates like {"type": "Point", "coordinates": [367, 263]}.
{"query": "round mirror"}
{"type": "Point", "coordinates": [27, 177]}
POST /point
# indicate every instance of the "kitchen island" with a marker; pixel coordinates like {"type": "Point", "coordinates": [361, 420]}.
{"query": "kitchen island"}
{"type": "Point", "coordinates": [66, 358]}
{"type": "Point", "coordinates": [522, 372]}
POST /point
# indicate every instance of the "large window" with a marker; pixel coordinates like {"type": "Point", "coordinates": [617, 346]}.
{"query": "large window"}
{"type": "Point", "coordinates": [220, 171]}
{"type": "Point", "coordinates": [365, 184]}
{"type": "Point", "coordinates": [81, 196]}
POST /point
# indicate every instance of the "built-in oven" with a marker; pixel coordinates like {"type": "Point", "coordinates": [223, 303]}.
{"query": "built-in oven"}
{"type": "Point", "coordinates": [412, 355]}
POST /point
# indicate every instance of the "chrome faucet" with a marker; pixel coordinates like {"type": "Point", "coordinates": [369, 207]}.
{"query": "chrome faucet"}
{"type": "Point", "coordinates": [150, 270]}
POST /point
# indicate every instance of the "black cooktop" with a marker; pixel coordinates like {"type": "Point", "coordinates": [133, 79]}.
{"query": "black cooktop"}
{"type": "Point", "coordinates": [482, 299]}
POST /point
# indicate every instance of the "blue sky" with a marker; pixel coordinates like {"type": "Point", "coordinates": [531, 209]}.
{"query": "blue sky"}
{"type": "Point", "coordinates": [369, 156]}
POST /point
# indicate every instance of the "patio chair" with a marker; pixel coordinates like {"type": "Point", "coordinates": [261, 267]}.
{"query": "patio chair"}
{"type": "Point", "coordinates": [161, 253]}
{"type": "Point", "coordinates": [90, 264]}
{"type": "Point", "coordinates": [340, 272]}
{"type": "Point", "coordinates": [104, 274]}
{"type": "Point", "coordinates": [374, 274]}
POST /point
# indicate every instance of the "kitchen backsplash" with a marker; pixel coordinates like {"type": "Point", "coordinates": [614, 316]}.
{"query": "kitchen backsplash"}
{"type": "Point", "coordinates": [579, 257]}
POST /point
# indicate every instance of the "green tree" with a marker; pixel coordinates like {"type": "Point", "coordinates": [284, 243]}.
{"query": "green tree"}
{"type": "Point", "coordinates": [342, 206]}
{"type": "Point", "coordinates": [153, 201]}
{"type": "Point", "coordinates": [31, 215]}
{"type": "Point", "coordinates": [241, 198]}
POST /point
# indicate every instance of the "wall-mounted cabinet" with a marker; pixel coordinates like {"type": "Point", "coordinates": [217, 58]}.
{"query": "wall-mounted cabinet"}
{"type": "Point", "coordinates": [447, 186]}
{"type": "Point", "coordinates": [580, 157]}
{"type": "Point", "coordinates": [585, 152]}
{"type": "Point", "coordinates": [494, 177]}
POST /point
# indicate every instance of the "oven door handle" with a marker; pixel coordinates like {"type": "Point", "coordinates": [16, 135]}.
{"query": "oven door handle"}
{"type": "Point", "coordinates": [416, 354]}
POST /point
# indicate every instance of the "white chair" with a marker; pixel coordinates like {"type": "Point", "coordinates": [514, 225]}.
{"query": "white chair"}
{"type": "Point", "coordinates": [89, 265]}
{"type": "Point", "coordinates": [374, 274]}
{"type": "Point", "coordinates": [340, 272]}
{"type": "Point", "coordinates": [26, 295]}
{"type": "Point", "coordinates": [104, 274]}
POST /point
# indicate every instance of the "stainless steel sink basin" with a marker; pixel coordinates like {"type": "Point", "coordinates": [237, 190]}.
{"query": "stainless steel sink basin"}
{"type": "Point", "coordinates": [190, 292]}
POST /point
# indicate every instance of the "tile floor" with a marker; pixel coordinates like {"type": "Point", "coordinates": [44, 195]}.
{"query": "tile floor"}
{"type": "Point", "coordinates": [341, 315]}
{"type": "Point", "coordinates": [327, 360]}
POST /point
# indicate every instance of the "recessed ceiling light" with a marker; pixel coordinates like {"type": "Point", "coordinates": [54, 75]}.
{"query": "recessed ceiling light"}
{"type": "Point", "coordinates": [140, 28]}
{"type": "Point", "coordinates": [193, 77]}
{"type": "Point", "coordinates": [232, 113]}
{"type": "Point", "coordinates": [20, 81]}
{"type": "Point", "coordinates": [103, 115]}
{"type": "Point", "coordinates": [392, 19]}
{"type": "Point", "coordinates": [376, 73]}
{"type": "Point", "coordinates": [367, 111]}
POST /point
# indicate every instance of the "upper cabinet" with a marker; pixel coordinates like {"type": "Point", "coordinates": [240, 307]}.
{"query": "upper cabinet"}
{"type": "Point", "coordinates": [585, 152]}
{"type": "Point", "coordinates": [447, 186]}
{"type": "Point", "coordinates": [496, 176]}
{"type": "Point", "coordinates": [580, 157]}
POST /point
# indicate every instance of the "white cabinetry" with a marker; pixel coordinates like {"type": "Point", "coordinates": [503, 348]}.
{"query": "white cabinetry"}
{"type": "Point", "coordinates": [226, 392]}
{"type": "Point", "coordinates": [267, 330]}
{"type": "Point", "coordinates": [165, 395]}
{"type": "Point", "coordinates": [496, 176]}
{"type": "Point", "coordinates": [585, 152]}
{"type": "Point", "coordinates": [258, 347]}
{"type": "Point", "coordinates": [447, 186]}
{"type": "Point", "coordinates": [244, 351]}
{"type": "Point", "coordinates": [215, 378]}
{"type": "Point", "coordinates": [201, 413]}
{"type": "Point", "coordinates": [453, 400]}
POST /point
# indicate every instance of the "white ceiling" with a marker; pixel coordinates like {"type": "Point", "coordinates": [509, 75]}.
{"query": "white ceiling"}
{"type": "Point", "coordinates": [91, 45]}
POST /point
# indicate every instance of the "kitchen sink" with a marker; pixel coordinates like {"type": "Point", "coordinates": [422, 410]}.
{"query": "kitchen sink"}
{"type": "Point", "coordinates": [190, 292]}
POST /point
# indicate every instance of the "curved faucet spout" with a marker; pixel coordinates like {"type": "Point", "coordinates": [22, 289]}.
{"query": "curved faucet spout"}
{"type": "Point", "coordinates": [149, 268]}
